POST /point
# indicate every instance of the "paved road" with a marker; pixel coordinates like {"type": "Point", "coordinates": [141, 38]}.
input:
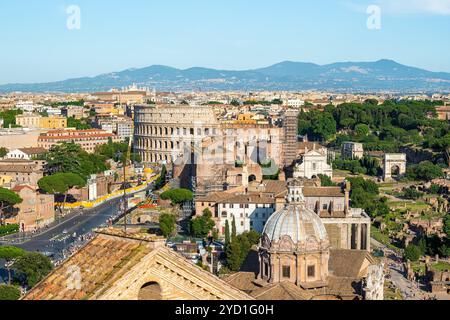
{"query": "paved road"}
{"type": "Point", "coordinates": [62, 236]}
{"type": "Point", "coordinates": [409, 289]}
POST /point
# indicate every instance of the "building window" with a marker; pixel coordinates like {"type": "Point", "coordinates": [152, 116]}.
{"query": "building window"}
{"type": "Point", "coordinates": [286, 271]}
{"type": "Point", "coordinates": [314, 165]}
{"type": "Point", "coordinates": [325, 207]}
{"type": "Point", "coordinates": [311, 271]}
{"type": "Point", "coordinates": [224, 214]}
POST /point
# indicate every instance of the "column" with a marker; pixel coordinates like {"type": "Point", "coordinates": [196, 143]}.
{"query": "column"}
{"type": "Point", "coordinates": [349, 236]}
{"type": "Point", "coordinates": [358, 237]}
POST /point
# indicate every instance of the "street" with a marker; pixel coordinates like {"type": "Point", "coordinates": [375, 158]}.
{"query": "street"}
{"type": "Point", "coordinates": [410, 290]}
{"type": "Point", "coordinates": [61, 237]}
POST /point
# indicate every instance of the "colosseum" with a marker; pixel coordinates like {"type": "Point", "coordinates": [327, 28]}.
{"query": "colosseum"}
{"type": "Point", "coordinates": [198, 144]}
{"type": "Point", "coordinates": [164, 131]}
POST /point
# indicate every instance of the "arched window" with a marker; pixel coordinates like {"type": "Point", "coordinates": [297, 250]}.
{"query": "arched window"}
{"type": "Point", "coordinates": [150, 291]}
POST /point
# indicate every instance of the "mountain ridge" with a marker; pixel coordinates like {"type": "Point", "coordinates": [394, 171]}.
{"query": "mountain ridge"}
{"type": "Point", "coordinates": [348, 76]}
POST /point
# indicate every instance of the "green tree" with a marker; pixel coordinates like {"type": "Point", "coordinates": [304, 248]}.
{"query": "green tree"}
{"type": "Point", "coordinates": [167, 224]}
{"type": "Point", "coordinates": [178, 196]}
{"type": "Point", "coordinates": [362, 130]}
{"type": "Point", "coordinates": [447, 224]}
{"type": "Point", "coordinates": [233, 229]}
{"type": "Point", "coordinates": [200, 227]}
{"type": "Point", "coordinates": [61, 183]}
{"type": "Point", "coordinates": [31, 268]}
{"type": "Point", "coordinates": [8, 199]}
{"type": "Point", "coordinates": [9, 293]}
{"type": "Point", "coordinates": [411, 193]}
{"type": "Point", "coordinates": [326, 181]}
{"type": "Point", "coordinates": [159, 183]}
{"type": "Point", "coordinates": [79, 124]}
{"type": "Point", "coordinates": [227, 233]}
{"type": "Point", "coordinates": [234, 256]}
{"type": "Point", "coordinates": [412, 253]}
{"type": "Point", "coordinates": [9, 254]}
{"type": "Point", "coordinates": [427, 171]}
{"type": "Point", "coordinates": [3, 152]}
{"type": "Point", "coordinates": [71, 158]}
{"type": "Point", "coordinates": [235, 103]}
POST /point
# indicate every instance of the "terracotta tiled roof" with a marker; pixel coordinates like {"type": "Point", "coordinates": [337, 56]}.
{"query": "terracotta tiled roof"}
{"type": "Point", "coordinates": [323, 192]}
{"type": "Point", "coordinates": [96, 262]}
{"type": "Point", "coordinates": [282, 291]}
{"type": "Point", "coordinates": [339, 265]}
{"type": "Point", "coordinates": [242, 281]}
{"type": "Point", "coordinates": [32, 151]}
{"type": "Point", "coordinates": [110, 257]}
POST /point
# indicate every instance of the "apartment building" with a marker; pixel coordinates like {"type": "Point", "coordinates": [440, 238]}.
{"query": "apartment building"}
{"type": "Point", "coordinates": [87, 139]}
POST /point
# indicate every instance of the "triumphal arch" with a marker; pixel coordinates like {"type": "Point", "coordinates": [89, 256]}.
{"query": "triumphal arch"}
{"type": "Point", "coordinates": [394, 165]}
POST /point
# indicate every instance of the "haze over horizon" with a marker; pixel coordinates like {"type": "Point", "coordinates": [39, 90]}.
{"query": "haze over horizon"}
{"type": "Point", "coordinates": [232, 35]}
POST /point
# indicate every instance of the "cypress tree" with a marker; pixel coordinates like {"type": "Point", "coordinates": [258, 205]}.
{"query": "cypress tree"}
{"type": "Point", "coordinates": [227, 233]}
{"type": "Point", "coordinates": [233, 229]}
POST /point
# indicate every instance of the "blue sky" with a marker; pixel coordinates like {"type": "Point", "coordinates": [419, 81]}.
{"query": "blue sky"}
{"type": "Point", "coordinates": [36, 45]}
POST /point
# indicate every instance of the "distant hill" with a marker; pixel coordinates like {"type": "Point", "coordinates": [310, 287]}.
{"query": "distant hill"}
{"type": "Point", "coordinates": [382, 75]}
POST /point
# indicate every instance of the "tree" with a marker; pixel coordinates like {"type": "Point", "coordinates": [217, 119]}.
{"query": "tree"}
{"type": "Point", "coordinates": [201, 226]}
{"type": "Point", "coordinates": [447, 225]}
{"type": "Point", "coordinates": [3, 152]}
{"type": "Point", "coordinates": [159, 183]}
{"type": "Point", "coordinates": [427, 171]}
{"type": "Point", "coordinates": [71, 158]}
{"type": "Point", "coordinates": [10, 254]}
{"type": "Point", "coordinates": [234, 255]}
{"type": "Point", "coordinates": [178, 196]}
{"type": "Point", "coordinates": [235, 103]}
{"type": "Point", "coordinates": [326, 181]}
{"type": "Point", "coordinates": [8, 199]}
{"type": "Point", "coordinates": [411, 193]}
{"type": "Point", "coordinates": [167, 224]}
{"type": "Point", "coordinates": [362, 130]}
{"type": "Point", "coordinates": [31, 268]}
{"type": "Point", "coordinates": [412, 253]}
{"type": "Point", "coordinates": [61, 183]}
{"type": "Point", "coordinates": [233, 229]}
{"type": "Point", "coordinates": [227, 233]}
{"type": "Point", "coordinates": [9, 293]}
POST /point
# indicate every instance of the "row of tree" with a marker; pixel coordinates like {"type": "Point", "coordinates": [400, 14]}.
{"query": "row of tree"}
{"type": "Point", "coordinates": [24, 269]}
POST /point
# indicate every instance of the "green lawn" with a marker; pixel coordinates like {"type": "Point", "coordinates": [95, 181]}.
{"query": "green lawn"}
{"type": "Point", "coordinates": [441, 266]}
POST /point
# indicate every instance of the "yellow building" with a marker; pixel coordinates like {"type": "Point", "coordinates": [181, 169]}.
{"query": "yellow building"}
{"type": "Point", "coordinates": [5, 179]}
{"type": "Point", "coordinates": [53, 123]}
{"type": "Point", "coordinates": [37, 122]}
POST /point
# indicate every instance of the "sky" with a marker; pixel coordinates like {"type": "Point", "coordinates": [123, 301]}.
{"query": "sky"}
{"type": "Point", "coordinates": [43, 41]}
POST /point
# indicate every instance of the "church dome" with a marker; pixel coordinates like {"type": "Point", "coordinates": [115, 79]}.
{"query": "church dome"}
{"type": "Point", "coordinates": [297, 222]}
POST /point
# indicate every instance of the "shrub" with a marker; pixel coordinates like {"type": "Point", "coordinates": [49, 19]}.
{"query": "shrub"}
{"type": "Point", "coordinates": [8, 229]}
{"type": "Point", "coordinates": [178, 196]}
{"type": "Point", "coordinates": [9, 293]}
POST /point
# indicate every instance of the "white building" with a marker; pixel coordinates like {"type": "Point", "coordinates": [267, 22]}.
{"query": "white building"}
{"type": "Point", "coordinates": [250, 212]}
{"type": "Point", "coordinates": [297, 103]}
{"type": "Point", "coordinates": [25, 153]}
{"type": "Point", "coordinates": [313, 163]}
{"type": "Point", "coordinates": [26, 106]}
